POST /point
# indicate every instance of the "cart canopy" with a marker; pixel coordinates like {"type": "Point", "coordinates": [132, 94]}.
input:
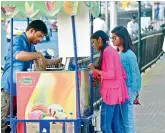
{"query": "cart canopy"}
{"type": "Point", "coordinates": [34, 9]}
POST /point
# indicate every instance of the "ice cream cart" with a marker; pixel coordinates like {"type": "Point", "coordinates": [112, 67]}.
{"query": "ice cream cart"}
{"type": "Point", "coordinates": [60, 101]}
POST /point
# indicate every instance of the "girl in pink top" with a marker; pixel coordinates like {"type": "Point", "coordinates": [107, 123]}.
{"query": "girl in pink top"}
{"type": "Point", "coordinates": [112, 87]}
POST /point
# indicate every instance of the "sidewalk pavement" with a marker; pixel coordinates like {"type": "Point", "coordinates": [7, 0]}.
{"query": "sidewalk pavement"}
{"type": "Point", "coordinates": [150, 116]}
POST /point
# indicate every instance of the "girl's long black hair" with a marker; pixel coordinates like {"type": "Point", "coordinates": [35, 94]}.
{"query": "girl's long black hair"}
{"type": "Point", "coordinates": [122, 32]}
{"type": "Point", "coordinates": [105, 39]}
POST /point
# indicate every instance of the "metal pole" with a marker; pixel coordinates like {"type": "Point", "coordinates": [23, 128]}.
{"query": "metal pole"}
{"type": "Point", "coordinates": [24, 127]}
{"type": "Point", "coordinates": [113, 15]}
{"type": "Point", "coordinates": [28, 21]}
{"type": "Point", "coordinates": [76, 65]}
{"type": "Point", "coordinates": [100, 7]}
{"type": "Point", "coordinates": [11, 76]}
{"type": "Point", "coordinates": [153, 10]}
{"type": "Point", "coordinates": [64, 126]}
{"type": "Point", "coordinates": [139, 35]}
{"type": "Point", "coordinates": [91, 61]}
{"type": "Point", "coordinates": [106, 15]}
{"type": "Point", "coordinates": [31, 62]}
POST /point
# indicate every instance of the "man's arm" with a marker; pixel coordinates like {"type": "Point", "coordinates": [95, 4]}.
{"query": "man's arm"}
{"type": "Point", "coordinates": [26, 56]}
{"type": "Point", "coordinates": [20, 52]}
{"type": "Point", "coordinates": [48, 62]}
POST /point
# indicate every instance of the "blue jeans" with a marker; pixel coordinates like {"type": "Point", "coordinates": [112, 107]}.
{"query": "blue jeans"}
{"type": "Point", "coordinates": [110, 118]}
{"type": "Point", "coordinates": [126, 115]}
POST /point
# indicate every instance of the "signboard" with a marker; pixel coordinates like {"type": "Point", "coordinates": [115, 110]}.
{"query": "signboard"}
{"type": "Point", "coordinates": [145, 22]}
{"type": "Point", "coordinates": [50, 95]}
{"type": "Point", "coordinates": [35, 9]}
{"type": "Point", "coordinates": [65, 33]}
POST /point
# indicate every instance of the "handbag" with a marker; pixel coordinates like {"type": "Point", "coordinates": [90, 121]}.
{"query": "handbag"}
{"type": "Point", "coordinates": [136, 101]}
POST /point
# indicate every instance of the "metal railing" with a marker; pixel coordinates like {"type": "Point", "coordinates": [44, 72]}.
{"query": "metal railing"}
{"type": "Point", "coordinates": [151, 50]}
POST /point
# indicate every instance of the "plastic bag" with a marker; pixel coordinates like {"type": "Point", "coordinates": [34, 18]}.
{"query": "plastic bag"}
{"type": "Point", "coordinates": [39, 65]}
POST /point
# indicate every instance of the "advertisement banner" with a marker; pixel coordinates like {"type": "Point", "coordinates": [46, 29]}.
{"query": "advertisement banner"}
{"type": "Point", "coordinates": [50, 95]}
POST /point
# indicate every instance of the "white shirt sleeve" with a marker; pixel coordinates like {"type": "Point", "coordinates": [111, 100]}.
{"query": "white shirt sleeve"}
{"type": "Point", "coordinates": [129, 27]}
{"type": "Point", "coordinates": [137, 27]}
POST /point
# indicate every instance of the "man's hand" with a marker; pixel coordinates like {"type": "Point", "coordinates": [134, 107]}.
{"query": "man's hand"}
{"type": "Point", "coordinates": [39, 55]}
{"type": "Point", "coordinates": [42, 61]}
{"type": "Point", "coordinates": [40, 64]}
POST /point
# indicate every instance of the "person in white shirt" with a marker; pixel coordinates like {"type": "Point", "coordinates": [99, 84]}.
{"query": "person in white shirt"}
{"type": "Point", "coordinates": [161, 11]}
{"type": "Point", "coordinates": [99, 24]}
{"type": "Point", "coordinates": [132, 28]}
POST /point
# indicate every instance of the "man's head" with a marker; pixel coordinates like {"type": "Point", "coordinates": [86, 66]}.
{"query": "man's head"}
{"type": "Point", "coordinates": [133, 19]}
{"type": "Point", "coordinates": [35, 31]}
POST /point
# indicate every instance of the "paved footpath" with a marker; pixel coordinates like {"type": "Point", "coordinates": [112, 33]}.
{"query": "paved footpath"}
{"type": "Point", "coordinates": [150, 116]}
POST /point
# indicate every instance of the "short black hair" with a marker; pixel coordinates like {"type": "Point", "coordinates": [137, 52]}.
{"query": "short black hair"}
{"type": "Point", "coordinates": [133, 17]}
{"type": "Point", "coordinates": [38, 25]}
